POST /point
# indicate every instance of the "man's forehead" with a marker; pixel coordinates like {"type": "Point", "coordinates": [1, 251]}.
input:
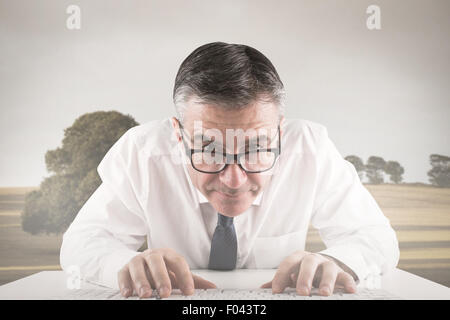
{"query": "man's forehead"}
{"type": "Point", "coordinates": [254, 116]}
{"type": "Point", "coordinates": [200, 128]}
{"type": "Point", "coordinates": [260, 133]}
{"type": "Point", "coordinates": [245, 126]}
{"type": "Point", "coordinates": [248, 134]}
{"type": "Point", "coordinates": [224, 124]}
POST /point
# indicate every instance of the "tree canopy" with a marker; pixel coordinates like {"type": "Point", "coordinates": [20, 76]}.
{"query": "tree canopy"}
{"type": "Point", "coordinates": [394, 170]}
{"type": "Point", "coordinates": [374, 169]}
{"type": "Point", "coordinates": [439, 175]}
{"type": "Point", "coordinates": [74, 177]}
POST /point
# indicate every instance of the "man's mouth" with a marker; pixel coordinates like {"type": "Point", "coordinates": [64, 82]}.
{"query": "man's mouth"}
{"type": "Point", "coordinates": [231, 195]}
{"type": "Point", "coordinates": [234, 194]}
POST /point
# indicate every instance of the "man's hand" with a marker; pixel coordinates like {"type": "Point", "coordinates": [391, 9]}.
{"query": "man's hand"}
{"type": "Point", "coordinates": [303, 269]}
{"type": "Point", "coordinates": [161, 269]}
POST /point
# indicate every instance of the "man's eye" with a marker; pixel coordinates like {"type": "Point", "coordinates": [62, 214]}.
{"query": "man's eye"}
{"type": "Point", "coordinates": [253, 148]}
{"type": "Point", "coordinates": [210, 147]}
{"type": "Point", "coordinates": [207, 145]}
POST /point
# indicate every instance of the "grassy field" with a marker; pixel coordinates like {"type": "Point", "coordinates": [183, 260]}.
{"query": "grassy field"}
{"type": "Point", "coordinates": [22, 254]}
{"type": "Point", "coordinates": [420, 215]}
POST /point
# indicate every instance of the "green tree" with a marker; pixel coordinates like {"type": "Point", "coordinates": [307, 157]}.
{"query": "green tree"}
{"type": "Point", "coordinates": [375, 169]}
{"type": "Point", "coordinates": [357, 163]}
{"type": "Point", "coordinates": [53, 207]}
{"type": "Point", "coordinates": [394, 170]}
{"type": "Point", "coordinates": [439, 175]}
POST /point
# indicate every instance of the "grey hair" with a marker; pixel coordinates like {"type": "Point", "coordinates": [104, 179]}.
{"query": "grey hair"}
{"type": "Point", "coordinates": [230, 76]}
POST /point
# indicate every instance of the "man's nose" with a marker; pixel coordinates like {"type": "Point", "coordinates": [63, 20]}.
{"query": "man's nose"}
{"type": "Point", "coordinates": [233, 176]}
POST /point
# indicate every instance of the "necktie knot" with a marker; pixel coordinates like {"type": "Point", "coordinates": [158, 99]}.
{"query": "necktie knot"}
{"type": "Point", "coordinates": [224, 221]}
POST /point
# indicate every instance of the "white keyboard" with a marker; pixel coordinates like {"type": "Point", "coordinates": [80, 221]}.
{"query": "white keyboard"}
{"type": "Point", "coordinates": [231, 294]}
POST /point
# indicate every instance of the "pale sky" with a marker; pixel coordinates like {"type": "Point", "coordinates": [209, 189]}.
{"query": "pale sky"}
{"type": "Point", "coordinates": [381, 92]}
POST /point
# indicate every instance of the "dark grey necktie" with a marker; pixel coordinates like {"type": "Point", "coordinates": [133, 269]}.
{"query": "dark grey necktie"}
{"type": "Point", "coordinates": [223, 245]}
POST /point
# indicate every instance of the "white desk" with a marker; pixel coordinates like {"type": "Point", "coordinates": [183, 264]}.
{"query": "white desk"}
{"type": "Point", "coordinates": [49, 284]}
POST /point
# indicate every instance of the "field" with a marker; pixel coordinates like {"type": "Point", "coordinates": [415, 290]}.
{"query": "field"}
{"type": "Point", "coordinates": [22, 254]}
{"type": "Point", "coordinates": [420, 214]}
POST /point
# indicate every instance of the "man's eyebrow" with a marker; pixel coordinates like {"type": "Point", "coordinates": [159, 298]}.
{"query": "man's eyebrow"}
{"type": "Point", "coordinates": [253, 139]}
{"type": "Point", "coordinates": [202, 137]}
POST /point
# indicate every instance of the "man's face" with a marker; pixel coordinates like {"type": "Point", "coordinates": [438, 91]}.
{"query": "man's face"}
{"type": "Point", "coordinates": [231, 191]}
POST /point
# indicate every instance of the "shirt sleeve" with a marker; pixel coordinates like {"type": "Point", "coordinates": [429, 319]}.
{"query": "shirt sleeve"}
{"type": "Point", "coordinates": [349, 220]}
{"type": "Point", "coordinates": [111, 226]}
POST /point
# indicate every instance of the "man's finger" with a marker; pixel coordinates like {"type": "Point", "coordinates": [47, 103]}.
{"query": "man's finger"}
{"type": "Point", "coordinates": [266, 285]}
{"type": "Point", "coordinates": [158, 271]}
{"type": "Point", "coordinates": [173, 279]}
{"type": "Point", "coordinates": [201, 283]}
{"type": "Point", "coordinates": [125, 282]}
{"type": "Point", "coordinates": [346, 280]}
{"type": "Point", "coordinates": [138, 274]}
{"type": "Point", "coordinates": [306, 274]}
{"type": "Point", "coordinates": [329, 273]}
{"type": "Point", "coordinates": [179, 266]}
{"type": "Point", "coordinates": [294, 276]}
{"type": "Point", "coordinates": [281, 280]}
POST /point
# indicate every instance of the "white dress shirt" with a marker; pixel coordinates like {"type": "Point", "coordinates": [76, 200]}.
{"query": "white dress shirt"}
{"type": "Point", "coordinates": [146, 194]}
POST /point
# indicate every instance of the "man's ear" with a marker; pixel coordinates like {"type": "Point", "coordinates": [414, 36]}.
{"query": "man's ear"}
{"type": "Point", "coordinates": [176, 127]}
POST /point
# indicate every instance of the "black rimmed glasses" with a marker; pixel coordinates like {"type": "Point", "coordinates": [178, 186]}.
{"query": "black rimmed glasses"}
{"type": "Point", "coordinates": [212, 159]}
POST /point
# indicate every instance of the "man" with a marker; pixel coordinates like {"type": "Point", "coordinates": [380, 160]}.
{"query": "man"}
{"type": "Point", "coordinates": [205, 198]}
